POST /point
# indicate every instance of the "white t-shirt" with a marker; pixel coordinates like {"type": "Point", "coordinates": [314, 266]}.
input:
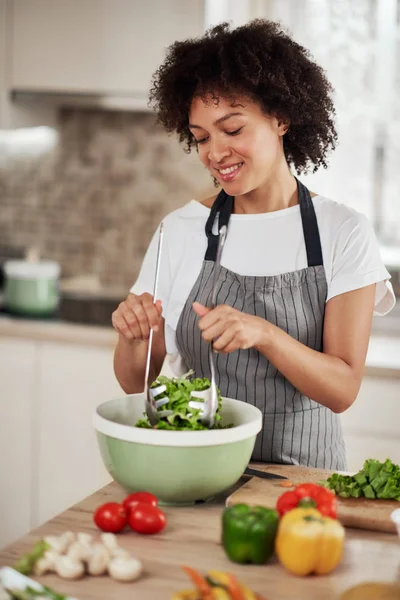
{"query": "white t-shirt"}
{"type": "Point", "coordinates": [264, 244]}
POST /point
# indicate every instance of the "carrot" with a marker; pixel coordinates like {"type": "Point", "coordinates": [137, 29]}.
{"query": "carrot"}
{"type": "Point", "coordinates": [233, 588]}
{"type": "Point", "coordinates": [286, 484]}
{"type": "Point", "coordinates": [202, 584]}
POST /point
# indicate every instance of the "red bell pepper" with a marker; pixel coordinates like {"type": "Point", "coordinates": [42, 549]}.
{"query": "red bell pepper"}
{"type": "Point", "coordinates": [308, 495]}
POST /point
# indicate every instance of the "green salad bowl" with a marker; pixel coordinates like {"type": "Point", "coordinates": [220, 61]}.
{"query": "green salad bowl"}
{"type": "Point", "coordinates": [179, 467]}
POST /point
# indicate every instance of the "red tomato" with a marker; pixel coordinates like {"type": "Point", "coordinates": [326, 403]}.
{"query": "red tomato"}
{"type": "Point", "coordinates": [139, 497]}
{"type": "Point", "coordinates": [286, 502]}
{"type": "Point", "coordinates": [146, 518]}
{"type": "Point", "coordinates": [110, 517]}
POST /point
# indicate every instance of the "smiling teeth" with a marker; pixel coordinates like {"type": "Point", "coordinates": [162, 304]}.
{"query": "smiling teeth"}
{"type": "Point", "coordinates": [230, 169]}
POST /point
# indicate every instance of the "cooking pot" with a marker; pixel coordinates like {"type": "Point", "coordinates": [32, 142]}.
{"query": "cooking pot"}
{"type": "Point", "coordinates": [31, 288]}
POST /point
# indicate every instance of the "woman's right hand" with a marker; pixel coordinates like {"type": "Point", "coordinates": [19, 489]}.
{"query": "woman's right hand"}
{"type": "Point", "coordinates": [136, 315]}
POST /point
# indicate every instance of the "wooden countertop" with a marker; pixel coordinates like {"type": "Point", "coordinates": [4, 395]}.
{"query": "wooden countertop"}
{"type": "Point", "coordinates": [192, 537]}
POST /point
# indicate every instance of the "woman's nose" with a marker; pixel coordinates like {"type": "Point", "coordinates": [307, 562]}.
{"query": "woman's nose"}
{"type": "Point", "coordinates": [218, 151]}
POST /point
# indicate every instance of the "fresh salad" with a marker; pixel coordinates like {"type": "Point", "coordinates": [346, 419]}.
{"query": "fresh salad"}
{"type": "Point", "coordinates": [178, 391]}
{"type": "Point", "coordinates": [376, 480]}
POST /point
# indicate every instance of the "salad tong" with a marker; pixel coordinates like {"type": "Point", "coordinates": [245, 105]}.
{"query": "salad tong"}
{"type": "Point", "coordinates": [209, 397]}
{"type": "Point", "coordinates": [152, 405]}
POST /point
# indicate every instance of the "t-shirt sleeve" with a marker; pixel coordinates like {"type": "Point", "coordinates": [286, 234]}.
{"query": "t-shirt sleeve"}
{"type": "Point", "coordinates": [145, 281]}
{"type": "Point", "coordinates": [357, 263]}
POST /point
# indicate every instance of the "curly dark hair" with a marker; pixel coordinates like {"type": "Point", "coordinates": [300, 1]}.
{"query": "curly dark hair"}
{"type": "Point", "coordinates": [259, 61]}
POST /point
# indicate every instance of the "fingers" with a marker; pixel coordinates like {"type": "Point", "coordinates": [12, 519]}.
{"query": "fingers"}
{"type": "Point", "coordinates": [151, 314]}
{"type": "Point", "coordinates": [221, 312]}
{"type": "Point", "coordinates": [136, 315]}
{"type": "Point", "coordinates": [226, 338]}
{"type": "Point", "coordinates": [218, 320]}
{"type": "Point", "coordinates": [200, 310]}
{"type": "Point", "coordinates": [214, 331]}
{"type": "Point", "coordinates": [225, 328]}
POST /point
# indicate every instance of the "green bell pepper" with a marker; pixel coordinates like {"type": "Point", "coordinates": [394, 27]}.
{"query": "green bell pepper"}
{"type": "Point", "coordinates": [248, 533]}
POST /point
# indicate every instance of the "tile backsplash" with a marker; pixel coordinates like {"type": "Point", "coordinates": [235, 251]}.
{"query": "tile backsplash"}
{"type": "Point", "coordinates": [93, 201]}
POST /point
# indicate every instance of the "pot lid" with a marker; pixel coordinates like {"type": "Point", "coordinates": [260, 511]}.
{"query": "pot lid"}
{"type": "Point", "coordinates": [22, 269]}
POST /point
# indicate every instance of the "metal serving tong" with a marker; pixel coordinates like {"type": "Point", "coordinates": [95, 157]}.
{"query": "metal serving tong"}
{"type": "Point", "coordinates": [206, 400]}
{"type": "Point", "coordinates": [209, 397]}
{"type": "Point", "coordinates": [152, 405]}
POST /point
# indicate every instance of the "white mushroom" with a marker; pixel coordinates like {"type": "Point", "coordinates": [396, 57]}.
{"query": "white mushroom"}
{"type": "Point", "coordinates": [68, 537]}
{"type": "Point", "coordinates": [99, 560]}
{"type": "Point", "coordinates": [85, 538]}
{"type": "Point", "coordinates": [68, 568]}
{"type": "Point", "coordinates": [47, 563]}
{"type": "Point", "coordinates": [120, 553]}
{"type": "Point", "coordinates": [110, 542]}
{"type": "Point", "coordinates": [124, 569]}
{"type": "Point", "coordinates": [56, 542]}
{"type": "Point", "coordinates": [79, 552]}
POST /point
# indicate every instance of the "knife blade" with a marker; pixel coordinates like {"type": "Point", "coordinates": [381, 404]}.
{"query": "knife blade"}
{"type": "Point", "coordinates": [263, 474]}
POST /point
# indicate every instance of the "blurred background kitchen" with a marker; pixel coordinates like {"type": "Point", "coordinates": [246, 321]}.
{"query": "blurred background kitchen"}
{"type": "Point", "coordinates": [86, 175]}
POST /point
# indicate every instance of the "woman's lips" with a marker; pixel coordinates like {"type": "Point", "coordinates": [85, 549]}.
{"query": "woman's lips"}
{"type": "Point", "coordinates": [233, 172]}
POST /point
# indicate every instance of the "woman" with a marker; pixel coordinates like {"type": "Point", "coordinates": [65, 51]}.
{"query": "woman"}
{"type": "Point", "coordinates": [301, 274]}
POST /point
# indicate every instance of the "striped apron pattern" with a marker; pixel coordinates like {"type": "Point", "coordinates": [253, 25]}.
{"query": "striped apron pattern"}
{"type": "Point", "coordinates": [296, 429]}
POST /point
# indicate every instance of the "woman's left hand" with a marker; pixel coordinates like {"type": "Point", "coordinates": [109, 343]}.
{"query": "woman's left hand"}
{"type": "Point", "coordinates": [229, 328]}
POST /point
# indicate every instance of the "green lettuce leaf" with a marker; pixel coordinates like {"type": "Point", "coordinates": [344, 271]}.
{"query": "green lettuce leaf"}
{"type": "Point", "coordinates": [183, 416]}
{"type": "Point", "coordinates": [376, 479]}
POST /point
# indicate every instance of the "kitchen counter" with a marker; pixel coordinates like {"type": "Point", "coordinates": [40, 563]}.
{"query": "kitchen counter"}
{"type": "Point", "coordinates": [383, 357]}
{"type": "Point", "coordinates": [55, 330]}
{"type": "Point", "coordinates": [192, 537]}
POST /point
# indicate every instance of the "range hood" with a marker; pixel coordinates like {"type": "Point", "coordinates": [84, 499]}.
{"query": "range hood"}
{"type": "Point", "coordinates": [32, 87]}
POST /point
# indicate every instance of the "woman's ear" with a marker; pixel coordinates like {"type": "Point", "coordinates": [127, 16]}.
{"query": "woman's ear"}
{"type": "Point", "coordinates": [283, 126]}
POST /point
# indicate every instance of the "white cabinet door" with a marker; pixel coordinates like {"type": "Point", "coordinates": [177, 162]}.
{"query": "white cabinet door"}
{"type": "Point", "coordinates": [371, 425]}
{"type": "Point", "coordinates": [74, 380]}
{"type": "Point", "coordinates": [18, 403]}
{"type": "Point", "coordinates": [96, 46]}
{"type": "Point", "coordinates": [3, 90]}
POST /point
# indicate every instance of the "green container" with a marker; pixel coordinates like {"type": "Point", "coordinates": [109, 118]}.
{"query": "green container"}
{"type": "Point", "coordinates": [31, 289]}
{"type": "Point", "coordinates": [179, 467]}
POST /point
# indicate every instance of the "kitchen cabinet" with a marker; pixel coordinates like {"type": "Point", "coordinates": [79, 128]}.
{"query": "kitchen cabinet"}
{"type": "Point", "coordinates": [371, 425]}
{"type": "Point", "coordinates": [25, 113]}
{"type": "Point", "coordinates": [73, 380]}
{"type": "Point", "coordinates": [96, 46]}
{"type": "Point", "coordinates": [49, 458]}
{"type": "Point", "coordinates": [18, 385]}
{"type": "Point", "coordinates": [3, 89]}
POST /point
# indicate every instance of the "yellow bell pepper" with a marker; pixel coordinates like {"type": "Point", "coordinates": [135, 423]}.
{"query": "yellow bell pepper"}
{"type": "Point", "coordinates": [308, 542]}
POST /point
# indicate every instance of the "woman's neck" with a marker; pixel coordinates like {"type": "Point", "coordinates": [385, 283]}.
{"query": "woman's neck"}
{"type": "Point", "coordinates": [277, 192]}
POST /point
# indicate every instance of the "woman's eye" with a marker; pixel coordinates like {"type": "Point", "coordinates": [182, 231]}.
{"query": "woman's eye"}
{"type": "Point", "coordinates": [235, 132]}
{"type": "Point", "coordinates": [202, 140]}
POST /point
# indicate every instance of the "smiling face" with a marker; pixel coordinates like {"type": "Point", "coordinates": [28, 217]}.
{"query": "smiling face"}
{"type": "Point", "coordinates": [239, 144]}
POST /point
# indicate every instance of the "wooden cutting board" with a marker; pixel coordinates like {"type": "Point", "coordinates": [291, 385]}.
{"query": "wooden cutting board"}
{"type": "Point", "coordinates": [361, 513]}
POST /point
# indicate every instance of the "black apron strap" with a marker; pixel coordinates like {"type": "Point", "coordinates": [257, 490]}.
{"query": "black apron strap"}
{"type": "Point", "coordinates": [310, 226]}
{"type": "Point", "coordinates": [223, 207]}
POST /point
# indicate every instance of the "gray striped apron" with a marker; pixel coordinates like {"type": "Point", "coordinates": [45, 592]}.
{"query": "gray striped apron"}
{"type": "Point", "coordinates": [296, 430]}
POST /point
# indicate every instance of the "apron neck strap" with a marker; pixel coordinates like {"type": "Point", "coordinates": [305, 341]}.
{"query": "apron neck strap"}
{"type": "Point", "coordinates": [220, 214]}
{"type": "Point", "coordinates": [222, 209]}
{"type": "Point", "coordinates": [310, 226]}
